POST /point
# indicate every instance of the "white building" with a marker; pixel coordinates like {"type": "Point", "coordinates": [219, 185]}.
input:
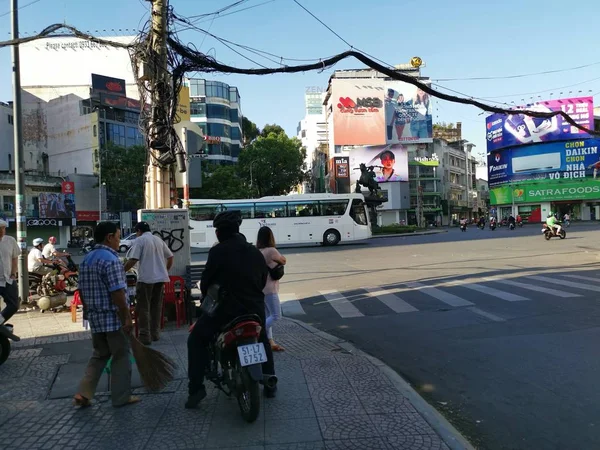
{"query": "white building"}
{"type": "Point", "coordinates": [6, 138]}
{"type": "Point", "coordinates": [312, 130]}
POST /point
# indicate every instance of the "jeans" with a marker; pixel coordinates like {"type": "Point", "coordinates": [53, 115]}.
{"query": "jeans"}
{"type": "Point", "coordinates": [148, 309]}
{"type": "Point", "coordinates": [10, 294]}
{"type": "Point", "coordinates": [199, 355]}
{"type": "Point", "coordinates": [273, 309]}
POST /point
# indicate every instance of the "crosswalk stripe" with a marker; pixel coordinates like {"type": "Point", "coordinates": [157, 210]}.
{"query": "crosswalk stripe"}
{"type": "Point", "coordinates": [580, 277]}
{"type": "Point", "coordinates": [290, 306]}
{"type": "Point", "coordinates": [585, 287]}
{"type": "Point", "coordinates": [449, 299]}
{"type": "Point", "coordinates": [554, 292]}
{"type": "Point", "coordinates": [487, 315]}
{"type": "Point", "coordinates": [390, 300]}
{"type": "Point", "coordinates": [338, 302]}
{"type": "Point", "coordinates": [487, 290]}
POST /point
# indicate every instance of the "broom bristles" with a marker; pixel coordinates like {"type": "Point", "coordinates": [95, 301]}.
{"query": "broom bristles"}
{"type": "Point", "coordinates": [156, 369]}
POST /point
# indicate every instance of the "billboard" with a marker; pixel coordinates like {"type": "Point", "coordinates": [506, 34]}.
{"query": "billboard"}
{"type": "Point", "coordinates": [52, 205]}
{"type": "Point", "coordinates": [339, 169]}
{"type": "Point", "coordinates": [183, 105]}
{"type": "Point", "coordinates": [110, 85]}
{"type": "Point", "coordinates": [408, 116]}
{"type": "Point", "coordinates": [518, 129]}
{"type": "Point", "coordinates": [545, 163]}
{"type": "Point", "coordinates": [390, 162]}
{"type": "Point", "coordinates": [546, 192]}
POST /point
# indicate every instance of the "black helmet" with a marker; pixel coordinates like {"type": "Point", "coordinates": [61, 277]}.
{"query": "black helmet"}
{"type": "Point", "coordinates": [231, 219]}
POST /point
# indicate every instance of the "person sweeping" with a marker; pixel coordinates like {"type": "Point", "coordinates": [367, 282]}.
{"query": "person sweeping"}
{"type": "Point", "coordinates": [102, 288]}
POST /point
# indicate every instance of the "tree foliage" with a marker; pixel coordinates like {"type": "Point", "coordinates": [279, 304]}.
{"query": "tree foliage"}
{"type": "Point", "coordinates": [123, 171]}
{"type": "Point", "coordinates": [273, 163]}
{"type": "Point", "coordinates": [271, 128]}
{"type": "Point", "coordinates": [249, 131]}
{"type": "Point", "coordinates": [221, 182]}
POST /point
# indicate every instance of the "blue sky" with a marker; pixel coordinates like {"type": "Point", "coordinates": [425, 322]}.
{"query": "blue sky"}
{"type": "Point", "coordinates": [461, 39]}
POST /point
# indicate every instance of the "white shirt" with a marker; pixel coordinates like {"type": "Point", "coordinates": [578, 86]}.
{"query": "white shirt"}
{"type": "Point", "coordinates": [34, 259]}
{"type": "Point", "coordinates": [152, 253]}
{"type": "Point", "coordinates": [49, 250]}
{"type": "Point", "coordinates": [9, 249]}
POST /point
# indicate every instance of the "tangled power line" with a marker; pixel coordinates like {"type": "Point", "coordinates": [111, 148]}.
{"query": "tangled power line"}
{"type": "Point", "coordinates": [157, 123]}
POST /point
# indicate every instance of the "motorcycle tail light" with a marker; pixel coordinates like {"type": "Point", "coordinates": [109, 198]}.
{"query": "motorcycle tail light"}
{"type": "Point", "coordinates": [242, 330]}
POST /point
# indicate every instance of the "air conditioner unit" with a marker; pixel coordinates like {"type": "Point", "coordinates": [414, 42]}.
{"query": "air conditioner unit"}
{"type": "Point", "coordinates": [536, 163]}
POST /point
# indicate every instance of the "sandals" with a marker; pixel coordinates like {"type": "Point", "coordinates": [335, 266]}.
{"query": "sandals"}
{"type": "Point", "coordinates": [81, 401]}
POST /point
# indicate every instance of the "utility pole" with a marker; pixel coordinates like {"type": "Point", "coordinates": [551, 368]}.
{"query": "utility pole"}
{"type": "Point", "coordinates": [18, 146]}
{"type": "Point", "coordinates": [158, 189]}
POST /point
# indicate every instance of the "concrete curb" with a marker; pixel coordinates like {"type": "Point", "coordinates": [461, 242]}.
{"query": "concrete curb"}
{"type": "Point", "coordinates": [446, 431]}
{"type": "Point", "coordinates": [418, 233]}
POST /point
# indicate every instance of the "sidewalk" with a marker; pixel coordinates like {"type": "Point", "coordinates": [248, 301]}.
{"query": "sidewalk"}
{"type": "Point", "coordinates": [330, 396]}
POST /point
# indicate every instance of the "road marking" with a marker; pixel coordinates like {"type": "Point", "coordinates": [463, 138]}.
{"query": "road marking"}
{"type": "Point", "coordinates": [342, 306]}
{"type": "Point", "coordinates": [290, 306]}
{"type": "Point", "coordinates": [580, 277]}
{"type": "Point", "coordinates": [486, 314]}
{"type": "Point", "coordinates": [390, 300]}
{"type": "Point", "coordinates": [487, 290]}
{"type": "Point", "coordinates": [449, 299]}
{"type": "Point", "coordinates": [585, 287]}
{"type": "Point", "coordinates": [554, 292]}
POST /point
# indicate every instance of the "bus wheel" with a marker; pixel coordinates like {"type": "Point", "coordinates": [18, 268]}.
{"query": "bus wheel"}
{"type": "Point", "coordinates": [331, 237]}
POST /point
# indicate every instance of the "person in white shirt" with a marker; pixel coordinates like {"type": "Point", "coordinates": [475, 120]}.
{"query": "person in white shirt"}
{"type": "Point", "coordinates": [9, 254]}
{"type": "Point", "coordinates": [50, 251]}
{"type": "Point", "coordinates": [36, 260]}
{"type": "Point", "coordinates": [155, 261]}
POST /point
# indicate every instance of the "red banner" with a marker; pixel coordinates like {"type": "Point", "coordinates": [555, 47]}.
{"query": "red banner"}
{"type": "Point", "coordinates": [88, 216]}
{"type": "Point", "coordinates": [68, 187]}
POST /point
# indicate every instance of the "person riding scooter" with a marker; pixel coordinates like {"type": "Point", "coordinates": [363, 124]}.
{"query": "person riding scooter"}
{"type": "Point", "coordinates": [553, 224]}
{"type": "Point", "coordinates": [36, 260]}
{"type": "Point", "coordinates": [511, 222]}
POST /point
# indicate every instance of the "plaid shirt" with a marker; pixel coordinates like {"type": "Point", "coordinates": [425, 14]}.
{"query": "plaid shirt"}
{"type": "Point", "coordinates": [101, 273]}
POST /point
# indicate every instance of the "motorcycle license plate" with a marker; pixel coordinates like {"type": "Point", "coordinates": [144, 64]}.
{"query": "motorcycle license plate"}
{"type": "Point", "coordinates": [252, 354]}
{"type": "Point", "coordinates": [131, 291]}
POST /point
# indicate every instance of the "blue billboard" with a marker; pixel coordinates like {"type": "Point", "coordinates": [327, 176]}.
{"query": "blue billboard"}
{"type": "Point", "coordinates": [570, 160]}
{"type": "Point", "coordinates": [519, 129]}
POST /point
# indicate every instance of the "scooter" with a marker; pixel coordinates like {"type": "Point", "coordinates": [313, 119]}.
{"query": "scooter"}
{"type": "Point", "coordinates": [492, 226]}
{"type": "Point", "coordinates": [6, 335]}
{"type": "Point", "coordinates": [70, 272]}
{"type": "Point", "coordinates": [52, 292]}
{"type": "Point", "coordinates": [550, 233]}
{"type": "Point", "coordinates": [511, 226]}
{"type": "Point", "coordinates": [463, 227]}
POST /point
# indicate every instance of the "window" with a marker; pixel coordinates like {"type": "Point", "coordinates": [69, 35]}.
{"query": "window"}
{"type": "Point", "coordinates": [9, 203]}
{"type": "Point", "coordinates": [358, 212]}
{"type": "Point", "coordinates": [198, 109]}
{"type": "Point", "coordinates": [234, 115]}
{"type": "Point", "coordinates": [204, 212]}
{"type": "Point", "coordinates": [235, 150]}
{"type": "Point", "coordinates": [197, 88]}
{"type": "Point", "coordinates": [247, 209]}
{"type": "Point", "coordinates": [333, 207]}
{"type": "Point", "coordinates": [235, 134]}
{"type": "Point", "coordinates": [95, 130]}
{"type": "Point", "coordinates": [270, 210]}
{"type": "Point", "coordinates": [75, 169]}
{"type": "Point", "coordinates": [116, 134]}
{"type": "Point", "coordinates": [217, 112]}
{"type": "Point", "coordinates": [233, 95]}
{"type": "Point", "coordinates": [9, 161]}
{"type": "Point", "coordinates": [217, 89]}
{"type": "Point", "coordinates": [303, 209]}
{"type": "Point", "coordinates": [134, 137]}
{"type": "Point", "coordinates": [11, 120]}
{"type": "Point", "coordinates": [218, 129]}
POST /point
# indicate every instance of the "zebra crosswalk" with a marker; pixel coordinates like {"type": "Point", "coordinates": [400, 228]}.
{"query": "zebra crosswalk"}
{"type": "Point", "coordinates": [414, 296]}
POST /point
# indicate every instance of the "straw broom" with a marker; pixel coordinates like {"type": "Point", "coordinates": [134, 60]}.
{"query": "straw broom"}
{"type": "Point", "coordinates": [156, 369]}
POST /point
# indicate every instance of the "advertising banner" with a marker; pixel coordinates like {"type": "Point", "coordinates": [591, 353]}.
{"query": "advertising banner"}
{"type": "Point", "coordinates": [390, 162]}
{"type": "Point", "coordinates": [545, 163]}
{"type": "Point", "coordinates": [518, 129]}
{"type": "Point", "coordinates": [111, 85]}
{"type": "Point", "coordinates": [183, 105]}
{"type": "Point", "coordinates": [358, 117]}
{"type": "Point", "coordinates": [118, 101]}
{"type": "Point", "coordinates": [408, 116]}
{"type": "Point", "coordinates": [546, 192]}
{"type": "Point", "coordinates": [56, 205]}
{"type": "Point", "coordinates": [431, 161]}
{"type": "Point", "coordinates": [68, 187]}
{"type": "Point", "coordinates": [340, 171]}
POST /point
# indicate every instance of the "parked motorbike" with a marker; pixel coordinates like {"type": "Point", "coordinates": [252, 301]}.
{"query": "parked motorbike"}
{"type": "Point", "coordinates": [492, 226]}
{"type": "Point", "coordinates": [236, 364]}
{"type": "Point", "coordinates": [87, 247]}
{"type": "Point", "coordinates": [6, 335]}
{"type": "Point", "coordinates": [71, 273]}
{"type": "Point", "coordinates": [550, 233]}
{"type": "Point", "coordinates": [52, 292]}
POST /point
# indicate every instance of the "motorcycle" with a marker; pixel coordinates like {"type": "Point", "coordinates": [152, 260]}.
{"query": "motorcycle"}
{"type": "Point", "coordinates": [550, 233]}
{"type": "Point", "coordinates": [463, 227]}
{"type": "Point", "coordinates": [6, 335]}
{"type": "Point", "coordinates": [52, 292]}
{"type": "Point", "coordinates": [236, 358]}
{"type": "Point", "coordinates": [492, 226]}
{"type": "Point", "coordinates": [481, 226]}
{"type": "Point", "coordinates": [87, 247]}
{"type": "Point", "coordinates": [520, 224]}
{"type": "Point", "coordinates": [511, 226]}
{"type": "Point", "coordinates": [70, 272]}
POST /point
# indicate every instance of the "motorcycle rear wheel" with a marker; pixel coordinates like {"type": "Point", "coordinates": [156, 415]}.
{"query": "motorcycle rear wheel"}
{"type": "Point", "coordinates": [4, 349]}
{"type": "Point", "coordinates": [248, 396]}
{"type": "Point", "coordinates": [563, 234]}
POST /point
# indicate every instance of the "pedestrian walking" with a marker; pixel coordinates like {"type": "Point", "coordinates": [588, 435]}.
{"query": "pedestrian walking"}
{"type": "Point", "coordinates": [265, 242]}
{"type": "Point", "coordinates": [9, 255]}
{"type": "Point", "coordinates": [102, 288]}
{"type": "Point", "coordinates": [155, 260]}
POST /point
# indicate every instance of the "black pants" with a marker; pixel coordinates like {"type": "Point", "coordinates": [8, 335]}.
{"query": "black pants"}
{"type": "Point", "coordinates": [10, 293]}
{"type": "Point", "coordinates": [199, 356]}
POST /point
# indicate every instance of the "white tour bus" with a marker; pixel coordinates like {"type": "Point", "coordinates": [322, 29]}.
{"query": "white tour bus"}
{"type": "Point", "coordinates": [295, 219]}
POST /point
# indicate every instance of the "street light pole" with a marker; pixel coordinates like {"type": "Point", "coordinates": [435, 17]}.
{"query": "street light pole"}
{"type": "Point", "coordinates": [18, 147]}
{"type": "Point", "coordinates": [100, 183]}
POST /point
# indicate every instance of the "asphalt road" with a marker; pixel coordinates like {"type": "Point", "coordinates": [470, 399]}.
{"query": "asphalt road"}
{"type": "Point", "coordinates": [498, 330]}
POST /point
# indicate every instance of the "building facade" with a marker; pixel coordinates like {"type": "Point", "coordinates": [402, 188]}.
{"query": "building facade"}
{"type": "Point", "coordinates": [312, 132]}
{"type": "Point", "coordinates": [216, 108]}
{"type": "Point", "coordinates": [426, 188]}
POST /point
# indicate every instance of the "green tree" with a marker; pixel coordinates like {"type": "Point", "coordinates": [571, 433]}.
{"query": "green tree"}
{"type": "Point", "coordinates": [273, 164]}
{"type": "Point", "coordinates": [123, 171]}
{"type": "Point", "coordinates": [221, 182]}
{"type": "Point", "coordinates": [249, 131]}
{"type": "Point", "coordinates": [268, 129]}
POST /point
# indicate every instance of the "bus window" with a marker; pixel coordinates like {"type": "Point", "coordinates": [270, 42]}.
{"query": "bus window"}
{"type": "Point", "coordinates": [303, 209]}
{"type": "Point", "coordinates": [204, 212]}
{"type": "Point", "coordinates": [269, 210]}
{"type": "Point", "coordinates": [334, 207]}
{"type": "Point", "coordinates": [247, 209]}
{"type": "Point", "coordinates": [358, 212]}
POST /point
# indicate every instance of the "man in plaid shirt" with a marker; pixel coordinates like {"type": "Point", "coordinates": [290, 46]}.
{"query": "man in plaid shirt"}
{"type": "Point", "coordinates": [102, 288]}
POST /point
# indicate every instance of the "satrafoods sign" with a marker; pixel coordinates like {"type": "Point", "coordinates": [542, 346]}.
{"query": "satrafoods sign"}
{"type": "Point", "coordinates": [535, 193]}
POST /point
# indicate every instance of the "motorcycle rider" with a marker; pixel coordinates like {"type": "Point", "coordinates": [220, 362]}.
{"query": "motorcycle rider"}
{"type": "Point", "coordinates": [240, 269]}
{"type": "Point", "coordinates": [482, 221]}
{"type": "Point", "coordinates": [50, 251]}
{"type": "Point", "coordinates": [36, 260]}
{"type": "Point", "coordinates": [492, 221]}
{"type": "Point", "coordinates": [553, 224]}
{"type": "Point", "coordinates": [463, 222]}
{"type": "Point", "coordinates": [519, 219]}
{"type": "Point", "coordinates": [511, 220]}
